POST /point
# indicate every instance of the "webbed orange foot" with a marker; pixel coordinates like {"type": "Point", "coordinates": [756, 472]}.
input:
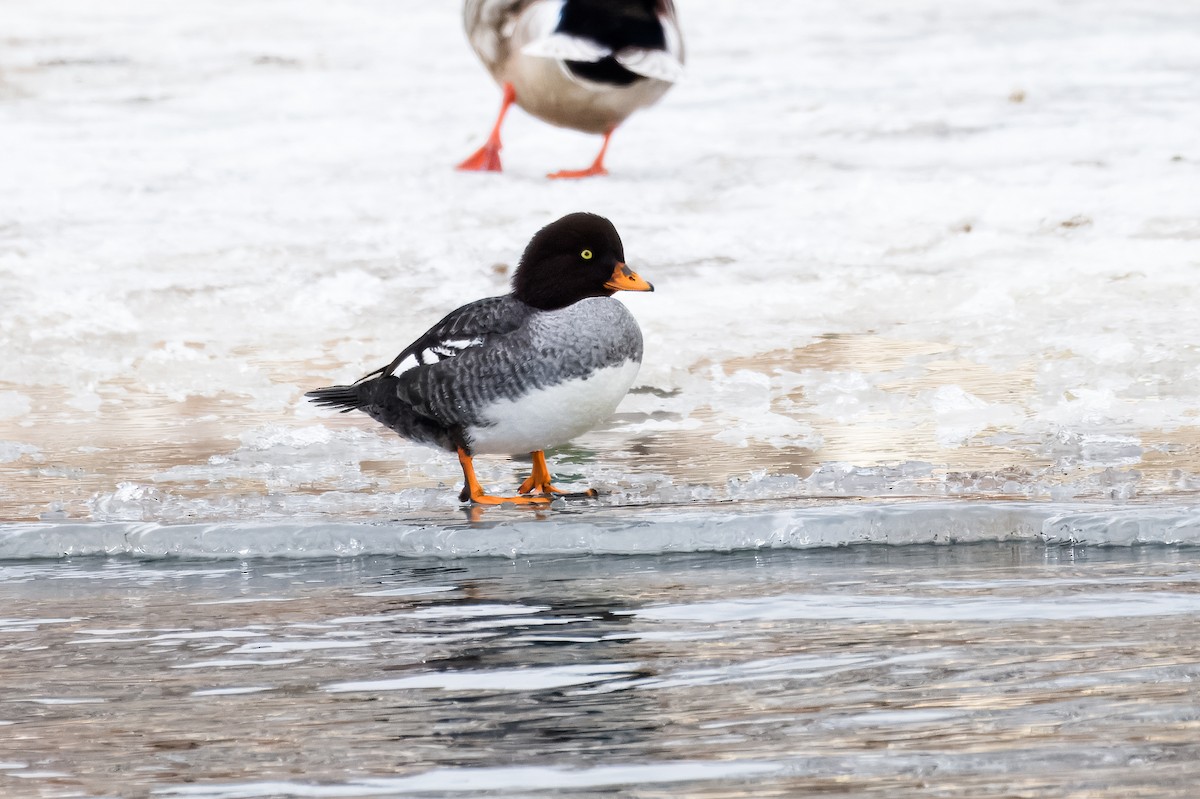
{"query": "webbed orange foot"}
{"type": "Point", "coordinates": [487, 157]}
{"type": "Point", "coordinates": [595, 170]}
{"type": "Point", "coordinates": [488, 499]}
{"type": "Point", "coordinates": [591, 172]}
{"type": "Point", "coordinates": [473, 492]}
{"type": "Point", "coordinates": [540, 479]}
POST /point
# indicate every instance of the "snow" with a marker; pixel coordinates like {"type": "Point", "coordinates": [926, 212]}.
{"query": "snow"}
{"type": "Point", "coordinates": [935, 249]}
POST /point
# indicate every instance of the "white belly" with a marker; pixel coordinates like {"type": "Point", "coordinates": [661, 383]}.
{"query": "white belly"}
{"type": "Point", "coordinates": [552, 416]}
{"type": "Point", "coordinates": [545, 89]}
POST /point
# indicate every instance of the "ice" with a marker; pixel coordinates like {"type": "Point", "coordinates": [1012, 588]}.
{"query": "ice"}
{"type": "Point", "coordinates": [14, 404]}
{"type": "Point", "coordinates": [508, 781]}
{"type": "Point", "coordinates": [750, 525]}
{"type": "Point", "coordinates": [13, 451]}
{"type": "Point", "coordinates": [249, 689]}
{"type": "Point", "coordinates": [933, 250]}
{"type": "Point", "coordinates": [523, 679]}
{"type": "Point", "coordinates": [896, 609]}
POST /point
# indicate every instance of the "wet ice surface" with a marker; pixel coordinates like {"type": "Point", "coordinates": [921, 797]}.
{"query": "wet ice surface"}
{"type": "Point", "coordinates": [983, 670]}
{"type": "Point", "coordinates": [937, 249]}
{"type": "Point", "coordinates": [630, 530]}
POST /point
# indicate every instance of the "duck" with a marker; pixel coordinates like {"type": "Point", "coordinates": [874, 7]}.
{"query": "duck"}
{"type": "Point", "coordinates": [520, 373]}
{"type": "Point", "coordinates": [580, 64]}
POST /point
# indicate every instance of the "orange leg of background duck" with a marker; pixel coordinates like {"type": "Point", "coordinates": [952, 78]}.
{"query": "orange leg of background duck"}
{"type": "Point", "coordinates": [487, 157]}
{"type": "Point", "coordinates": [596, 169]}
{"type": "Point", "coordinates": [475, 493]}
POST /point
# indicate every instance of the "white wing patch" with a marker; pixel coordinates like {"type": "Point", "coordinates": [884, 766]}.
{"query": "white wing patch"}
{"type": "Point", "coordinates": [450, 348]}
{"type": "Point", "coordinates": [562, 47]}
{"type": "Point", "coordinates": [656, 64]}
{"type": "Point", "coordinates": [403, 366]}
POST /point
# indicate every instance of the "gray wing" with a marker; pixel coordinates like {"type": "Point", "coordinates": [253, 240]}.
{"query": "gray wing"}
{"type": "Point", "coordinates": [453, 391]}
{"type": "Point", "coordinates": [470, 326]}
{"type": "Point", "coordinates": [548, 348]}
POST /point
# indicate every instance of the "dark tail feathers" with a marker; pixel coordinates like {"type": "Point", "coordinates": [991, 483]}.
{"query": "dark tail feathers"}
{"type": "Point", "coordinates": [378, 398]}
{"type": "Point", "coordinates": [344, 398]}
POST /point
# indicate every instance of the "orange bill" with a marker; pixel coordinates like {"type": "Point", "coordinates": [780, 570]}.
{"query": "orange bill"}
{"type": "Point", "coordinates": [625, 279]}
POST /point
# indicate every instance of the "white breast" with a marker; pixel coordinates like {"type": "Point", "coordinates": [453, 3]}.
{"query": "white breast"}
{"type": "Point", "coordinates": [552, 416]}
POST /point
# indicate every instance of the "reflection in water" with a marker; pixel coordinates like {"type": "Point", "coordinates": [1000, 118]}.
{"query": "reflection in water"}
{"type": "Point", "coordinates": [974, 670]}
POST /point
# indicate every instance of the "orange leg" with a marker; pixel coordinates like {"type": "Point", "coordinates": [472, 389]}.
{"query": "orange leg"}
{"type": "Point", "coordinates": [487, 157]}
{"type": "Point", "coordinates": [597, 167]}
{"type": "Point", "coordinates": [475, 493]}
{"type": "Point", "coordinates": [540, 480]}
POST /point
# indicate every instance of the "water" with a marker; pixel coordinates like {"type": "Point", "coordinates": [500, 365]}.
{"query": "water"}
{"type": "Point", "coordinates": [975, 670]}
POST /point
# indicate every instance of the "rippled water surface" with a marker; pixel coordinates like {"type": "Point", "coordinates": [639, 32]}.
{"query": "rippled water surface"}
{"type": "Point", "coordinates": [981, 670]}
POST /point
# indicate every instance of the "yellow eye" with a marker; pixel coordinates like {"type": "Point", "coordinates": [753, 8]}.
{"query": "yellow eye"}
{"type": "Point", "coordinates": [586, 255]}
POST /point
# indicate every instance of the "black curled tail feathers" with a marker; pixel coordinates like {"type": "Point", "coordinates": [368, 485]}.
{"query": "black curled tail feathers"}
{"type": "Point", "coordinates": [344, 398]}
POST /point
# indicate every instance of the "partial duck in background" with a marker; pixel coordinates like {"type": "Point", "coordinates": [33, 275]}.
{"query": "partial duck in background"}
{"type": "Point", "coordinates": [582, 64]}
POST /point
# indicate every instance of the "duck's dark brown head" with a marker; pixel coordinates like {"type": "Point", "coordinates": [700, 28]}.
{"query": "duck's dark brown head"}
{"type": "Point", "coordinates": [578, 256]}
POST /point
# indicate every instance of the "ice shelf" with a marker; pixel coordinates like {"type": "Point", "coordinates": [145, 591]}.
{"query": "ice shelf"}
{"type": "Point", "coordinates": [511, 533]}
